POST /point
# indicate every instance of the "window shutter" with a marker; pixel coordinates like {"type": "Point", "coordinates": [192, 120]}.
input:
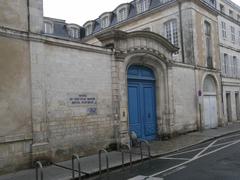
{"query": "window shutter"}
{"type": "Point", "coordinates": [222, 63]}
{"type": "Point", "coordinates": [231, 66]}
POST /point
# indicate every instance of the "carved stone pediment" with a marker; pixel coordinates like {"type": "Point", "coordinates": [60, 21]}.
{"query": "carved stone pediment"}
{"type": "Point", "coordinates": [137, 41]}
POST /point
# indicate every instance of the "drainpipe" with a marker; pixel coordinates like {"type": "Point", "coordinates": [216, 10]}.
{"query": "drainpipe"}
{"type": "Point", "coordinates": [181, 30]}
{"type": "Point", "coordinates": [28, 15]}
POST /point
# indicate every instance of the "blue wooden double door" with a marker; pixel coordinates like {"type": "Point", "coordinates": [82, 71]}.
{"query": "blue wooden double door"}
{"type": "Point", "coordinates": [141, 102]}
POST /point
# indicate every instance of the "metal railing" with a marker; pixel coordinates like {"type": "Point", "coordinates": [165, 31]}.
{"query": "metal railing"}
{"type": "Point", "coordinates": [76, 157]}
{"type": "Point", "coordinates": [130, 154]}
{"type": "Point", "coordinates": [100, 161]}
{"type": "Point", "coordinates": [38, 165]}
{"type": "Point", "coordinates": [142, 141]}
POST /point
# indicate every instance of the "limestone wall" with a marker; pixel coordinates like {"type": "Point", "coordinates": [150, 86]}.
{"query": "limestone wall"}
{"type": "Point", "coordinates": [60, 76]}
{"type": "Point", "coordinates": [15, 104]}
{"type": "Point", "coordinates": [14, 14]}
{"type": "Point", "coordinates": [185, 100]}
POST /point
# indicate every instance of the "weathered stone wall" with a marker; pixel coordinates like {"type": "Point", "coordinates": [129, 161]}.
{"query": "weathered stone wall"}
{"type": "Point", "coordinates": [58, 74]}
{"type": "Point", "coordinates": [15, 104]}
{"type": "Point", "coordinates": [185, 99]}
{"type": "Point", "coordinates": [231, 86]}
{"type": "Point", "coordinates": [14, 14]}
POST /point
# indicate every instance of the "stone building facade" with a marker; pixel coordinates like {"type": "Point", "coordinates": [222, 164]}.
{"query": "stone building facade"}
{"type": "Point", "coordinates": [70, 89]}
{"type": "Point", "coordinates": [229, 37]}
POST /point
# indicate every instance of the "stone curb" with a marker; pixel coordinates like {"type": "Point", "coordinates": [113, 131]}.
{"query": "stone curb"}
{"type": "Point", "coordinates": [199, 142]}
{"type": "Point", "coordinates": [162, 154]}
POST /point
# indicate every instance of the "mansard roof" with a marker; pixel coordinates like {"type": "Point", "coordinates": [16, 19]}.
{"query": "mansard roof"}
{"type": "Point", "coordinates": [60, 28]}
{"type": "Point", "coordinates": [154, 4]}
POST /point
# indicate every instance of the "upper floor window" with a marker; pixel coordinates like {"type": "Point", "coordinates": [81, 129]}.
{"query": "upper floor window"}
{"type": "Point", "coordinates": [224, 30]}
{"type": "Point", "coordinates": [74, 32]}
{"type": "Point", "coordinates": [88, 30]}
{"type": "Point", "coordinates": [89, 27]}
{"type": "Point", "coordinates": [122, 14]}
{"type": "Point", "coordinates": [225, 64]}
{"type": "Point", "coordinates": [230, 13]}
{"type": "Point", "coordinates": [105, 22]}
{"type": "Point", "coordinates": [171, 31]}
{"type": "Point", "coordinates": [48, 27]}
{"type": "Point", "coordinates": [208, 44]}
{"type": "Point", "coordinates": [235, 66]}
{"type": "Point", "coordinates": [222, 9]}
{"type": "Point", "coordinates": [142, 5]}
{"type": "Point", "coordinates": [232, 34]}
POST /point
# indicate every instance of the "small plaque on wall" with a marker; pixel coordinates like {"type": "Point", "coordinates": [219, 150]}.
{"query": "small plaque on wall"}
{"type": "Point", "coordinates": [78, 100]}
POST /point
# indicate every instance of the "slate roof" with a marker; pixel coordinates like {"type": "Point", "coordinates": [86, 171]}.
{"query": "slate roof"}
{"type": "Point", "coordinates": [154, 4]}
{"type": "Point", "coordinates": [60, 29]}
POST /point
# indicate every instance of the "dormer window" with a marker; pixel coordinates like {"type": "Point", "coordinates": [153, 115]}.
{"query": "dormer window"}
{"type": "Point", "coordinates": [88, 27]}
{"type": "Point", "coordinates": [73, 31]}
{"type": "Point", "coordinates": [142, 5]}
{"type": "Point", "coordinates": [105, 22]}
{"type": "Point", "coordinates": [122, 12]}
{"type": "Point", "coordinates": [48, 27]}
{"type": "Point", "coordinates": [105, 19]}
{"type": "Point", "coordinates": [88, 30]}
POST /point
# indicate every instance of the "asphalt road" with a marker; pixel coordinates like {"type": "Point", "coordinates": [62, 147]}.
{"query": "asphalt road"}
{"type": "Point", "coordinates": [217, 159]}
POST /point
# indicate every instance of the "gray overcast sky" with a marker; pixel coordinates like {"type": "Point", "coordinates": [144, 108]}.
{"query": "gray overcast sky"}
{"type": "Point", "coordinates": [80, 11]}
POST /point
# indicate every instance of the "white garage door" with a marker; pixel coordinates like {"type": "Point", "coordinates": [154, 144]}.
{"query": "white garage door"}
{"type": "Point", "coordinates": [210, 112]}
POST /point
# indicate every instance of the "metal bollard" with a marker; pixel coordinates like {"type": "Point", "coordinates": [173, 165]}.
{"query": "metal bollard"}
{"type": "Point", "coordinates": [130, 154]}
{"type": "Point", "coordinates": [100, 161]}
{"type": "Point", "coordinates": [38, 165]}
{"type": "Point", "coordinates": [142, 141]}
{"type": "Point", "coordinates": [75, 156]}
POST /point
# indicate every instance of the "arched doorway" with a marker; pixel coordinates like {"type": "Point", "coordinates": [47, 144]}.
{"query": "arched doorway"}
{"type": "Point", "coordinates": [210, 103]}
{"type": "Point", "coordinates": [142, 102]}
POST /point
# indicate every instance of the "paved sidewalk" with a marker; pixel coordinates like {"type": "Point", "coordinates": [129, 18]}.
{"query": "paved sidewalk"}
{"type": "Point", "coordinates": [90, 164]}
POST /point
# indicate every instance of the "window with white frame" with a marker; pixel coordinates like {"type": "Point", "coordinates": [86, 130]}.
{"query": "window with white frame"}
{"type": "Point", "coordinates": [122, 14]}
{"type": "Point", "coordinates": [235, 66]}
{"type": "Point", "coordinates": [88, 30]}
{"type": "Point", "coordinates": [105, 22]}
{"type": "Point", "coordinates": [48, 27]}
{"type": "Point", "coordinates": [232, 34]}
{"type": "Point", "coordinates": [171, 31]}
{"type": "Point", "coordinates": [224, 30]}
{"type": "Point", "coordinates": [142, 5]}
{"type": "Point", "coordinates": [74, 32]}
{"type": "Point", "coordinates": [208, 39]}
{"type": "Point", "coordinates": [225, 64]}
